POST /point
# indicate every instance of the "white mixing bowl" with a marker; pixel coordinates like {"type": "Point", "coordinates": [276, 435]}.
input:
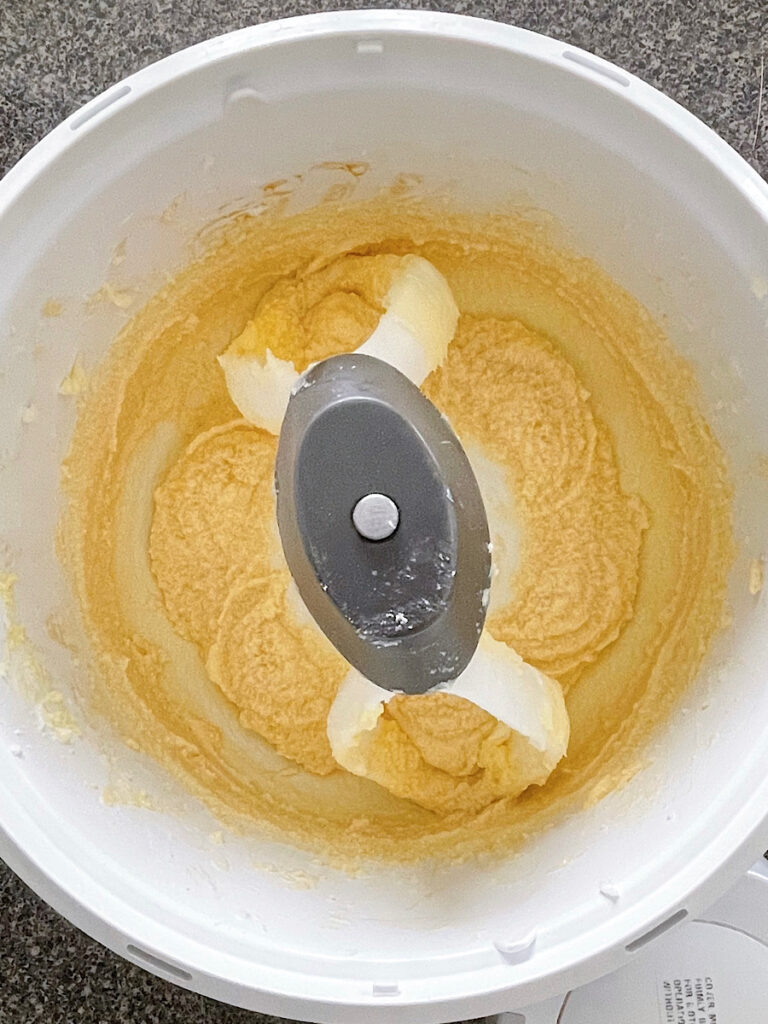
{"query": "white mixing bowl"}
{"type": "Point", "coordinates": [671, 212]}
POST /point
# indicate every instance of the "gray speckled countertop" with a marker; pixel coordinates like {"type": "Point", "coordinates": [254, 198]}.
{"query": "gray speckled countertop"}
{"type": "Point", "coordinates": [55, 55]}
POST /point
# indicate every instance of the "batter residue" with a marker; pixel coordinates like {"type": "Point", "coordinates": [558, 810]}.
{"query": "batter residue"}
{"type": "Point", "coordinates": [202, 651]}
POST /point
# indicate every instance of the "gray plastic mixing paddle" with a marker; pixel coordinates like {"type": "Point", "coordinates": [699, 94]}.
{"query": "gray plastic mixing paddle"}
{"type": "Point", "coordinates": [382, 523]}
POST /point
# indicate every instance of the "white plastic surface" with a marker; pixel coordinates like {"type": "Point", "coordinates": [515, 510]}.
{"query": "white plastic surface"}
{"type": "Point", "coordinates": [710, 971]}
{"type": "Point", "coordinates": [492, 112]}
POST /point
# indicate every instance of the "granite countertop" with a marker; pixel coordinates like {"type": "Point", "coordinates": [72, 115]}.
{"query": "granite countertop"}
{"type": "Point", "coordinates": [707, 54]}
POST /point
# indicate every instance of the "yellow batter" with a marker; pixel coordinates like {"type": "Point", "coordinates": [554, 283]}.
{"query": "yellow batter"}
{"type": "Point", "coordinates": [203, 654]}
